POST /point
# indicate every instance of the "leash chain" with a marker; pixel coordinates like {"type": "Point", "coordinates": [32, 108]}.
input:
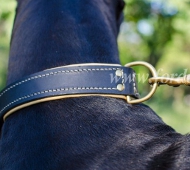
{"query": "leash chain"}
{"type": "Point", "coordinates": [156, 81]}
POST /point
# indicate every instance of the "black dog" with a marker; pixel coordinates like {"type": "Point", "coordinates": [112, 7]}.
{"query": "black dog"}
{"type": "Point", "coordinates": [87, 132]}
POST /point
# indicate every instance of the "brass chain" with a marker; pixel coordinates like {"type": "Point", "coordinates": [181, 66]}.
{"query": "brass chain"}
{"type": "Point", "coordinates": [155, 81]}
{"type": "Point", "coordinates": [175, 82]}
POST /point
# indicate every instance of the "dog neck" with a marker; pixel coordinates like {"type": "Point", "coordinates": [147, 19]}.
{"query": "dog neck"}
{"type": "Point", "coordinates": [49, 34]}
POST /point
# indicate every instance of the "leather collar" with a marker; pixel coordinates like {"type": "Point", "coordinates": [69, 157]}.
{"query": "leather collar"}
{"type": "Point", "coordinates": [68, 81]}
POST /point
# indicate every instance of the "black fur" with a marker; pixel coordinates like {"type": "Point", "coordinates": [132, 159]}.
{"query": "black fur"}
{"type": "Point", "coordinates": [88, 132]}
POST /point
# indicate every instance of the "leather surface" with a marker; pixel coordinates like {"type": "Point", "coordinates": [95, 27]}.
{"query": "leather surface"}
{"type": "Point", "coordinates": [68, 80]}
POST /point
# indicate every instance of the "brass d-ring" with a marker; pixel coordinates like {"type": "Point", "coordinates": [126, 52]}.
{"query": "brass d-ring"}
{"type": "Point", "coordinates": [154, 86]}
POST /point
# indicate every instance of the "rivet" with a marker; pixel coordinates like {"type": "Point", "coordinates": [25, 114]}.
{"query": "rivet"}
{"type": "Point", "coordinates": [120, 87]}
{"type": "Point", "coordinates": [119, 73]}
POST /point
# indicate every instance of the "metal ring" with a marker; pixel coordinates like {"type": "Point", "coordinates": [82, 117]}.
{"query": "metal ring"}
{"type": "Point", "coordinates": [154, 86]}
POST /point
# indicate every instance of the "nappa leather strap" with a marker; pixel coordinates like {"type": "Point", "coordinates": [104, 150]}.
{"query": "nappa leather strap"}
{"type": "Point", "coordinates": [68, 81]}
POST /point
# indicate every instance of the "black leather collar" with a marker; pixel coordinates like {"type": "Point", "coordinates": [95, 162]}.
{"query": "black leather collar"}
{"type": "Point", "coordinates": [68, 81]}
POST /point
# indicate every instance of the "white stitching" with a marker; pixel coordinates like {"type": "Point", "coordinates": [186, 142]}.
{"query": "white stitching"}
{"type": "Point", "coordinates": [54, 90]}
{"type": "Point", "coordinates": [123, 80]}
{"type": "Point", "coordinates": [134, 84]}
{"type": "Point", "coordinates": [54, 73]}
